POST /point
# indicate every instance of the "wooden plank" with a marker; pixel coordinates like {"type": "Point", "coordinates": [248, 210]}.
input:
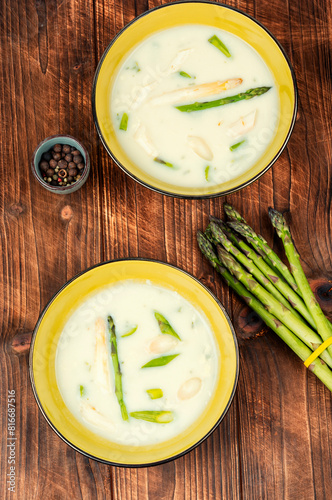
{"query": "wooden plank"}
{"type": "Point", "coordinates": [275, 441]}
{"type": "Point", "coordinates": [47, 66]}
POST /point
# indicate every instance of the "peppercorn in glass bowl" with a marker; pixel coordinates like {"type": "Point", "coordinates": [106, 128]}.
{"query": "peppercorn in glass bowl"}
{"type": "Point", "coordinates": [61, 164]}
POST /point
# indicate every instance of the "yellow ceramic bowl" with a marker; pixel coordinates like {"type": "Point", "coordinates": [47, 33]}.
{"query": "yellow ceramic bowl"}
{"type": "Point", "coordinates": [212, 14]}
{"type": "Point", "coordinates": [46, 338]}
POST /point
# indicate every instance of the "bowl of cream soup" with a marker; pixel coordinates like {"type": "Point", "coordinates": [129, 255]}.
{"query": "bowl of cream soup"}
{"type": "Point", "coordinates": [194, 99]}
{"type": "Point", "coordinates": [134, 362]}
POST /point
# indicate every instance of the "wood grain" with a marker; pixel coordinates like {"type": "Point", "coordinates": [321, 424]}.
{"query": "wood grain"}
{"type": "Point", "coordinates": [275, 441]}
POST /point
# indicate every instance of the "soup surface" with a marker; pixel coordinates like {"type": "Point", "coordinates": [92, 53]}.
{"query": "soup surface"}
{"type": "Point", "coordinates": [151, 323]}
{"type": "Point", "coordinates": [186, 65]}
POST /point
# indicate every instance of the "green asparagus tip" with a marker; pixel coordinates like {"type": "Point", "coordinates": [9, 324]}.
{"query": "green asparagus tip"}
{"type": "Point", "coordinates": [220, 223]}
{"type": "Point", "coordinates": [206, 248]}
{"type": "Point", "coordinates": [217, 232]}
{"type": "Point", "coordinates": [242, 228]}
{"type": "Point", "coordinates": [214, 40]}
{"type": "Point", "coordinates": [208, 234]}
{"type": "Point", "coordinates": [233, 214]}
{"type": "Point", "coordinates": [278, 220]}
{"type": "Point", "coordinates": [165, 326]}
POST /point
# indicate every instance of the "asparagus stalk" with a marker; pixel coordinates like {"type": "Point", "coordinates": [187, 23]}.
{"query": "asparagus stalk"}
{"type": "Point", "coordinates": [234, 216]}
{"type": "Point", "coordinates": [232, 241]}
{"type": "Point", "coordinates": [322, 323]}
{"type": "Point", "coordinates": [220, 237]}
{"type": "Point", "coordinates": [320, 370]}
{"type": "Point", "coordinates": [308, 336]}
{"type": "Point", "coordinates": [200, 106]}
{"type": "Point", "coordinates": [157, 417]}
{"type": "Point", "coordinates": [117, 369]}
{"type": "Point", "coordinates": [260, 244]}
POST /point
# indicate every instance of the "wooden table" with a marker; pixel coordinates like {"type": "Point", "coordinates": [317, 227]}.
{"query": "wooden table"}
{"type": "Point", "coordinates": [275, 442]}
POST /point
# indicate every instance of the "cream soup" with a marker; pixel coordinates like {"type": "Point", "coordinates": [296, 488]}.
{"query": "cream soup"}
{"type": "Point", "coordinates": [181, 66]}
{"type": "Point", "coordinates": [151, 323]}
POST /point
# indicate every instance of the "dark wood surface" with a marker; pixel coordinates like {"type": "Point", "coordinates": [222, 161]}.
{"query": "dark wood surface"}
{"type": "Point", "coordinates": [276, 440]}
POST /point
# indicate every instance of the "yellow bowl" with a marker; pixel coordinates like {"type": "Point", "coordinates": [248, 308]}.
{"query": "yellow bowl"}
{"type": "Point", "coordinates": [207, 13]}
{"type": "Point", "coordinates": [46, 337]}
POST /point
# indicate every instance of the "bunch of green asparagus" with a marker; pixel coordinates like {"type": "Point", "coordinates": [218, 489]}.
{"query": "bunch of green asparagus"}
{"type": "Point", "coordinates": [281, 297]}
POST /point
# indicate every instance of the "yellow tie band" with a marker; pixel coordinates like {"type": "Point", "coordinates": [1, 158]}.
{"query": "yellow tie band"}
{"type": "Point", "coordinates": [318, 352]}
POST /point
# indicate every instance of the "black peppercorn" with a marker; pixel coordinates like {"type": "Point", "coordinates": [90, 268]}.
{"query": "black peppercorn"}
{"type": "Point", "coordinates": [47, 156]}
{"type": "Point", "coordinates": [44, 165]}
{"type": "Point", "coordinates": [57, 148]}
{"type": "Point", "coordinates": [71, 164]}
{"type": "Point", "coordinates": [62, 163]}
{"type": "Point", "coordinates": [66, 148]}
{"type": "Point", "coordinates": [69, 158]}
{"type": "Point", "coordinates": [53, 163]}
{"type": "Point", "coordinates": [76, 152]}
{"type": "Point", "coordinates": [80, 166]}
{"type": "Point", "coordinates": [77, 159]}
{"type": "Point", "coordinates": [56, 156]}
{"type": "Point", "coordinates": [72, 172]}
{"type": "Point", "coordinates": [50, 172]}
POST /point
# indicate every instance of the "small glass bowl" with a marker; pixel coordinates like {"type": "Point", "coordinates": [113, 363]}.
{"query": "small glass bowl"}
{"type": "Point", "coordinates": [45, 146]}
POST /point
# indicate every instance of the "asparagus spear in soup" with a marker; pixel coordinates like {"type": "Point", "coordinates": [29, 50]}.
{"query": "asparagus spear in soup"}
{"type": "Point", "coordinates": [117, 369]}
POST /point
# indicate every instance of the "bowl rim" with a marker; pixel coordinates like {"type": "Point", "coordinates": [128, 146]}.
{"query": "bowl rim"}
{"type": "Point", "coordinates": [198, 196]}
{"type": "Point", "coordinates": [108, 462]}
{"type": "Point", "coordinates": [61, 189]}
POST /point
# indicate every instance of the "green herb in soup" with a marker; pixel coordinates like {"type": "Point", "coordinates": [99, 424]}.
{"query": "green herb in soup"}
{"type": "Point", "coordinates": [207, 169]}
{"type": "Point", "coordinates": [82, 391]}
